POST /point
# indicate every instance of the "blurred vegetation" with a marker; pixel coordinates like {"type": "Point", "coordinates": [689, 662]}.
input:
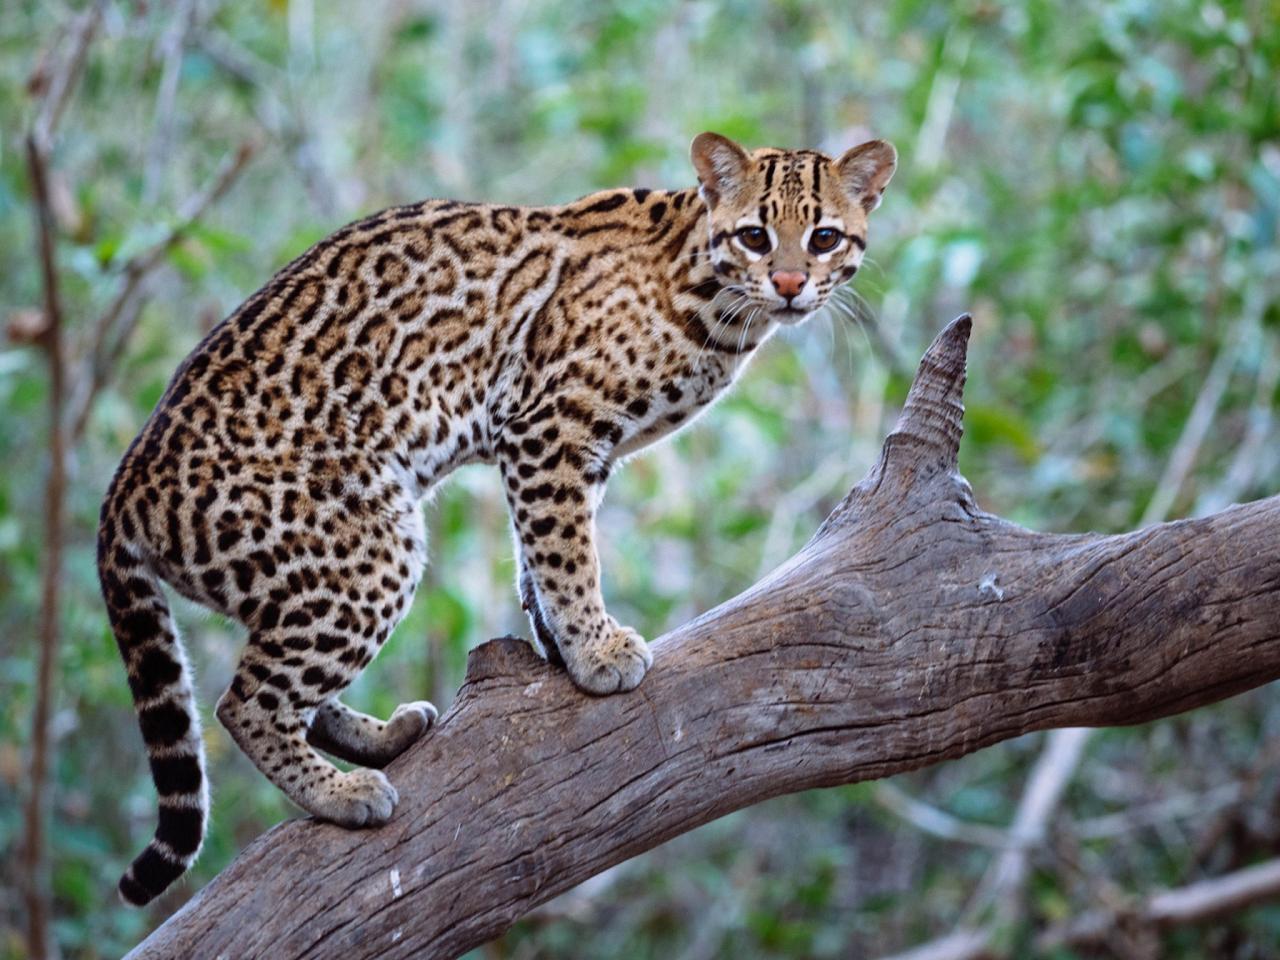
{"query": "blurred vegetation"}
{"type": "Point", "coordinates": [1100, 187]}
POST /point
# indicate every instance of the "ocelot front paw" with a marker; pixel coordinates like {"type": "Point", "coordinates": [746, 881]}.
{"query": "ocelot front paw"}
{"type": "Point", "coordinates": [617, 662]}
{"type": "Point", "coordinates": [359, 798]}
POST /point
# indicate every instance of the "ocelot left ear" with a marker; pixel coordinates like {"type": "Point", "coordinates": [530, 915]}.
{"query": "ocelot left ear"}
{"type": "Point", "coordinates": [722, 166]}
{"type": "Point", "coordinates": [866, 170]}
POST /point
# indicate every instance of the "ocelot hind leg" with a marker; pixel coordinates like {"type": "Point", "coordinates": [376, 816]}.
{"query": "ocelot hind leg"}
{"type": "Point", "coordinates": [268, 711]}
{"type": "Point", "coordinates": [309, 638]}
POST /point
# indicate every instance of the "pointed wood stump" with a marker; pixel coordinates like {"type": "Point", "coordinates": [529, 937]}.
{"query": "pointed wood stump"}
{"type": "Point", "coordinates": [911, 629]}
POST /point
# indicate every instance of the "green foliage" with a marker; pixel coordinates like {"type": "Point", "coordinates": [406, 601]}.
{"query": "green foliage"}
{"type": "Point", "coordinates": [1101, 188]}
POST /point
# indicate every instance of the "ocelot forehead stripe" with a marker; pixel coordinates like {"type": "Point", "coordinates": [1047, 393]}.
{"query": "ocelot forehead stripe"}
{"type": "Point", "coordinates": [769, 169]}
{"type": "Point", "coordinates": [792, 187]}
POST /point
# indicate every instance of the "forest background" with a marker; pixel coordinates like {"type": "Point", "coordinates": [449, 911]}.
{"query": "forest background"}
{"type": "Point", "coordinates": [1100, 188]}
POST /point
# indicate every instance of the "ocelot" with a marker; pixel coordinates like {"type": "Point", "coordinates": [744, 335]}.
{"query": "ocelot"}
{"type": "Point", "coordinates": [279, 479]}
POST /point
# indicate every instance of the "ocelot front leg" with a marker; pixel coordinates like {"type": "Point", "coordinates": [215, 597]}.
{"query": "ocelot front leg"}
{"type": "Point", "coordinates": [529, 603]}
{"type": "Point", "coordinates": [554, 480]}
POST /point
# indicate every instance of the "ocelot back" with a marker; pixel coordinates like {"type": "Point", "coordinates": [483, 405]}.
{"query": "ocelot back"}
{"type": "Point", "coordinates": [280, 478]}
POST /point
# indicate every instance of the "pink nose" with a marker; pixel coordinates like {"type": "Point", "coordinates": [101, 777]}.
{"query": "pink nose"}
{"type": "Point", "coordinates": [788, 283]}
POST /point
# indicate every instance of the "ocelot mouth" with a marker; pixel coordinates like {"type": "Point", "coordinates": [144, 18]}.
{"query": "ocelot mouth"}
{"type": "Point", "coordinates": [791, 314]}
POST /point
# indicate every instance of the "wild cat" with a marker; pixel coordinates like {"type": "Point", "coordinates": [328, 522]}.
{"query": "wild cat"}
{"type": "Point", "coordinates": [279, 479]}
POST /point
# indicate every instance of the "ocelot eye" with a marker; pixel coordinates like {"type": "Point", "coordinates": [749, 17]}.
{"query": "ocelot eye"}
{"type": "Point", "coordinates": [824, 239]}
{"type": "Point", "coordinates": [755, 239]}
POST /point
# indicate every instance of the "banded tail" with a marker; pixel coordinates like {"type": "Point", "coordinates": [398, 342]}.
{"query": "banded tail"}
{"type": "Point", "coordinates": [161, 683]}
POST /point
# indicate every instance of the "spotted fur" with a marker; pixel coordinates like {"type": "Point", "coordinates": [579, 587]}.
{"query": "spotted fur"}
{"type": "Point", "coordinates": [279, 479]}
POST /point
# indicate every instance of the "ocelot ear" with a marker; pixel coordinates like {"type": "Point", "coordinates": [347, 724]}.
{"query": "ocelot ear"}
{"type": "Point", "coordinates": [866, 170]}
{"type": "Point", "coordinates": [722, 166]}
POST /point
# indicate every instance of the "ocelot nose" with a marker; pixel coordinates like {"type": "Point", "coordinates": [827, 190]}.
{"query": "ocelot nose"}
{"type": "Point", "coordinates": [788, 283]}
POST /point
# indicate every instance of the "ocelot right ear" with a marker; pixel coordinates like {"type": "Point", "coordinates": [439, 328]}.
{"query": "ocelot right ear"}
{"type": "Point", "coordinates": [866, 170]}
{"type": "Point", "coordinates": [722, 166]}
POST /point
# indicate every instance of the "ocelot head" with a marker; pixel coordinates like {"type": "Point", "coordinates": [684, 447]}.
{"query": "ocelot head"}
{"type": "Point", "coordinates": [788, 226]}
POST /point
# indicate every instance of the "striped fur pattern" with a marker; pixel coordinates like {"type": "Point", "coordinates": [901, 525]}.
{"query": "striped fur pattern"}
{"type": "Point", "coordinates": [280, 478]}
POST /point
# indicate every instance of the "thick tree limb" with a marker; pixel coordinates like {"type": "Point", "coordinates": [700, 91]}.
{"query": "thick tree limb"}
{"type": "Point", "coordinates": [911, 629]}
{"type": "Point", "coordinates": [1001, 895]}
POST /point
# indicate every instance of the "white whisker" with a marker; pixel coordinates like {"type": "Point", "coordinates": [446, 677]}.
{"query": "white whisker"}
{"type": "Point", "coordinates": [856, 318]}
{"type": "Point", "coordinates": [722, 319]}
{"type": "Point", "coordinates": [746, 328]}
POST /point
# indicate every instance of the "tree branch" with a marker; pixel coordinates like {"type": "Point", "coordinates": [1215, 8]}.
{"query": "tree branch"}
{"type": "Point", "coordinates": [39, 941]}
{"type": "Point", "coordinates": [913, 628]}
{"type": "Point", "coordinates": [1003, 885]}
{"type": "Point", "coordinates": [173, 46]}
{"type": "Point", "coordinates": [1194, 903]}
{"type": "Point", "coordinates": [69, 399]}
{"type": "Point", "coordinates": [52, 85]}
{"type": "Point", "coordinates": [111, 330]}
{"type": "Point", "coordinates": [52, 90]}
{"type": "Point", "coordinates": [938, 823]}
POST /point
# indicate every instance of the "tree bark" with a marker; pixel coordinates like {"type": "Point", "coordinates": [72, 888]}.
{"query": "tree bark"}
{"type": "Point", "coordinates": [911, 629]}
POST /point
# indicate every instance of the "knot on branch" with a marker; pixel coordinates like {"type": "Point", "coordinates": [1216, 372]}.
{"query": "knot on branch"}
{"type": "Point", "coordinates": [932, 419]}
{"type": "Point", "coordinates": [926, 439]}
{"type": "Point", "coordinates": [502, 657]}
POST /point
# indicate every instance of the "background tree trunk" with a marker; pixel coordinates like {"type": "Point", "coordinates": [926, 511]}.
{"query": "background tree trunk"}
{"type": "Point", "coordinates": [911, 629]}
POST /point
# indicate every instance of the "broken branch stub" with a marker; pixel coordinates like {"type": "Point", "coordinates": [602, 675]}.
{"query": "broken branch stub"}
{"type": "Point", "coordinates": [913, 628]}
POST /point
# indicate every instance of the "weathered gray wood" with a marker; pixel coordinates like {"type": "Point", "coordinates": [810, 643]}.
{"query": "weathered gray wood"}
{"type": "Point", "coordinates": [913, 628]}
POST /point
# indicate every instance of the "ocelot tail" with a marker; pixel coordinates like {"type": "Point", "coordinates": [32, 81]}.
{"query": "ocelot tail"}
{"type": "Point", "coordinates": [279, 479]}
